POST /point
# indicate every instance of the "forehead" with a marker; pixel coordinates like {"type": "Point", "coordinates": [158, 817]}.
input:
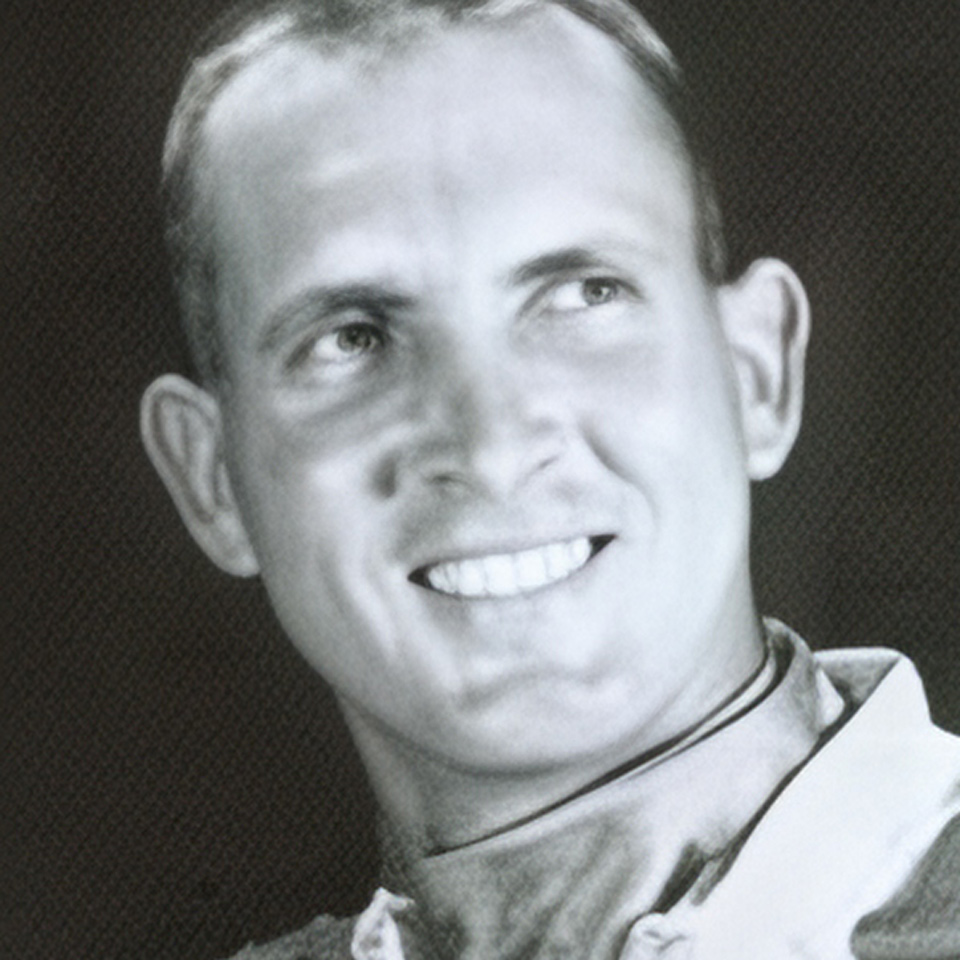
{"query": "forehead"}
{"type": "Point", "coordinates": [550, 64]}
{"type": "Point", "coordinates": [547, 38]}
{"type": "Point", "coordinates": [470, 126]}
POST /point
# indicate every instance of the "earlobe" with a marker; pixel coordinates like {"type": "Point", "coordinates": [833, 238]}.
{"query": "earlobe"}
{"type": "Point", "coordinates": [766, 320]}
{"type": "Point", "coordinates": [180, 427]}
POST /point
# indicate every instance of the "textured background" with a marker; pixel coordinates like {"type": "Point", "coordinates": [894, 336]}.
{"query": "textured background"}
{"type": "Point", "coordinates": [174, 780]}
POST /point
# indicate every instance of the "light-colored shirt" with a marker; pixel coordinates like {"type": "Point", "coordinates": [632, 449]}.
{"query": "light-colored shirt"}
{"type": "Point", "coordinates": [768, 831]}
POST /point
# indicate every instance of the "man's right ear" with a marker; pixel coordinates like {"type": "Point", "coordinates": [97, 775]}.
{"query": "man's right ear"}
{"type": "Point", "coordinates": [181, 429]}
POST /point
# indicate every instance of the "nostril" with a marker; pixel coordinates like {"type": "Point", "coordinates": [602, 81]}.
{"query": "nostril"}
{"type": "Point", "coordinates": [385, 479]}
{"type": "Point", "coordinates": [496, 465]}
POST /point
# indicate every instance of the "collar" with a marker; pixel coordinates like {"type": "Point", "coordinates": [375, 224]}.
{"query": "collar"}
{"type": "Point", "coordinates": [661, 832]}
{"type": "Point", "coordinates": [846, 834]}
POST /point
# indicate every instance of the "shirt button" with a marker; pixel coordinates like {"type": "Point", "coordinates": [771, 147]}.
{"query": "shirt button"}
{"type": "Point", "coordinates": [656, 937]}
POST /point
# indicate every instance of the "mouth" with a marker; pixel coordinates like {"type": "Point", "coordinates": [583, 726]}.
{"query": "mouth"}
{"type": "Point", "coordinates": [510, 574]}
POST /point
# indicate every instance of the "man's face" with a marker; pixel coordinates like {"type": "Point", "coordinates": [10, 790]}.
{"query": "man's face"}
{"type": "Point", "coordinates": [479, 413]}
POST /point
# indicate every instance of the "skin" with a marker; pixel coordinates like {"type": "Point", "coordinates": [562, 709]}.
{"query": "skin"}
{"type": "Point", "coordinates": [463, 315]}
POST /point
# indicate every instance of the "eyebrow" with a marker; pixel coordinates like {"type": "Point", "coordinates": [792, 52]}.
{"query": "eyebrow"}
{"type": "Point", "coordinates": [568, 260]}
{"type": "Point", "coordinates": [319, 302]}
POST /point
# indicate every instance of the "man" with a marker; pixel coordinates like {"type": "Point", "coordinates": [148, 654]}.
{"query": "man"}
{"type": "Point", "coordinates": [479, 404]}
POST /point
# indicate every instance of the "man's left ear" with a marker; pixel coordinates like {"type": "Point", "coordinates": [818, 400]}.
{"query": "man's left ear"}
{"type": "Point", "coordinates": [766, 320]}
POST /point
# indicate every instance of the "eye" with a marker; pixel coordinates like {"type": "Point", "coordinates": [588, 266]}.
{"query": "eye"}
{"type": "Point", "coordinates": [349, 343]}
{"type": "Point", "coordinates": [580, 294]}
{"type": "Point", "coordinates": [599, 290]}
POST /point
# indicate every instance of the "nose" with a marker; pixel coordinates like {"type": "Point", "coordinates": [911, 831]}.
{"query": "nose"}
{"type": "Point", "coordinates": [488, 426]}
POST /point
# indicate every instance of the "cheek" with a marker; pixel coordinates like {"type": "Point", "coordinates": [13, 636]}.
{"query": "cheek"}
{"type": "Point", "coordinates": [665, 421]}
{"type": "Point", "coordinates": [297, 487]}
{"type": "Point", "coordinates": [314, 528]}
{"type": "Point", "coordinates": [645, 406]}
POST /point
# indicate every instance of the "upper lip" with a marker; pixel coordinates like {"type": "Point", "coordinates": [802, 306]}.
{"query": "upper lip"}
{"type": "Point", "coordinates": [417, 575]}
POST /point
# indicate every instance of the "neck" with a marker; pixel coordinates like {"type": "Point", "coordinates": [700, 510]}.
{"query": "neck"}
{"type": "Point", "coordinates": [650, 840]}
{"type": "Point", "coordinates": [437, 805]}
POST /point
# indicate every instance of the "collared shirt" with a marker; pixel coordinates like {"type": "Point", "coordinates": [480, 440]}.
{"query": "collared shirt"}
{"type": "Point", "coordinates": [769, 831]}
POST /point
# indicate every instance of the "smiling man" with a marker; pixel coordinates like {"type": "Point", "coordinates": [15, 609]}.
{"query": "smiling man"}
{"type": "Point", "coordinates": [477, 401]}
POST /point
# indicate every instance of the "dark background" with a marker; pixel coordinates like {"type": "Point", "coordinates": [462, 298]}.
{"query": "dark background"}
{"type": "Point", "coordinates": [175, 781]}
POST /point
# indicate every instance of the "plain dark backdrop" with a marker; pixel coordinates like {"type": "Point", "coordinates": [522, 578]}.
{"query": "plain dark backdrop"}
{"type": "Point", "coordinates": [175, 781]}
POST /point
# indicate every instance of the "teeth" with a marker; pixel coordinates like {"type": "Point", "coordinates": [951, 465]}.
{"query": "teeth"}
{"type": "Point", "coordinates": [555, 558]}
{"type": "Point", "coordinates": [469, 577]}
{"type": "Point", "coordinates": [578, 552]}
{"type": "Point", "coordinates": [532, 569]}
{"type": "Point", "coordinates": [508, 574]}
{"type": "Point", "coordinates": [499, 575]}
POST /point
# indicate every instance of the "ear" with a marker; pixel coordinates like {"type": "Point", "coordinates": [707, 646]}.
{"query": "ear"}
{"type": "Point", "coordinates": [180, 427]}
{"type": "Point", "coordinates": [766, 320]}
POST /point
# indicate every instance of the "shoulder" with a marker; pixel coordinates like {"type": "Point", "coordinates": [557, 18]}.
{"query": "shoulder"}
{"type": "Point", "coordinates": [325, 938]}
{"type": "Point", "coordinates": [922, 919]}
{"type": "Point", "coordinates": [892, 730]}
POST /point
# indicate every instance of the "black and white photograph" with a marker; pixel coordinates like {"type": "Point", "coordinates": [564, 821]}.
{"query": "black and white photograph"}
{"type": "Point", "coordinates": [480, 480]}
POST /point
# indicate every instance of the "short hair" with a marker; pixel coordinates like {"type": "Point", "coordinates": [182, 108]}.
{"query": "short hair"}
{"type": "Point", "coordinates": [334, 26]}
